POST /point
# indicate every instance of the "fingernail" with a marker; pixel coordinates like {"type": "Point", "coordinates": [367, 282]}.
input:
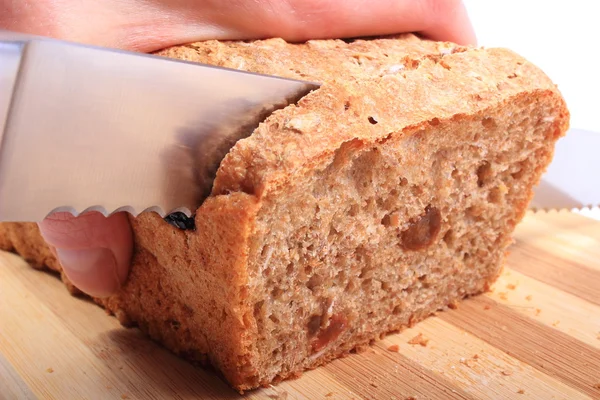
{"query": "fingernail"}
{"type": "Point", "coordinates": [93, 271]}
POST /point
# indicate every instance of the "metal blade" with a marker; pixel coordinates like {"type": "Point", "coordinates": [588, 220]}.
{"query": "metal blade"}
{"type": "Point", "coordinates": [572, 180]}
{"type": "Point", "coordinates": [86, 128]}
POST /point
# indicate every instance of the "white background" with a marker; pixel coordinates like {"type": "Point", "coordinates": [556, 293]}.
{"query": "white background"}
{"type": "Point", "coordinates": [562, 37]}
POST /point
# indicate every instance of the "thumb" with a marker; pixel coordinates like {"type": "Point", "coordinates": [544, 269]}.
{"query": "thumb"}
{"type": "Point", "coordinates": [94, 250]}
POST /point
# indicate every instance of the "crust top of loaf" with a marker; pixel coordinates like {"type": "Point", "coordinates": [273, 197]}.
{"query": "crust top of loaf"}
{"type": "Point", "coordinates": [370, 89]}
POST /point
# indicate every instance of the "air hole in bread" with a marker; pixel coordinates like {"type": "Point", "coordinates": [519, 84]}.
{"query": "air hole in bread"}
{"type": "Point", "coordinates": [474, 212]}
{"type": "Point", "coordinates": [346, 105]}
{"type": "Point", "coordinates": [484, 174]}
{"type": "Point", "coordinates": [385, 221]}
{"type": "Point", "coordinates": [308, 269]}
{"type": "Point", "coordinates": [351, 286]}
{"type": "Point", "coordinates": [391, 220]}
{"type": "Point", "coordinates": [314, 281]}
{"type": "Point", "coordinates": [290, 269]}
{"type": "Point", "coordinates": [333, 234]}
{"type": "Point", "coordinates": [314, 324]}
{"type": "Point", "coordinates": [488, 123]}
{"type": "Point", "coordinates": [416, 190]}
{"type": "Point", "coordinates": [258, 309]}
{"type": "Point", "coordinates": [276, 293]}
{"type": "Point", "coordinates": [372, 120]}
{"type": "Point", "coordinates": [518, 174]}
{"type": "Point", "coordinates": [434, 122]}
{"type": "Point", "coordinates": [449, 238]}
{"type": "Point", "coordinates": [365, 273]}
{"type": "Point", "coordinates": [340, 277]}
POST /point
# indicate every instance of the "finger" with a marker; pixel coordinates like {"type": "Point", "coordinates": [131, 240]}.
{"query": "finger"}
{"type": "Point", "coordinates": [449, 21]}
{"type": "Point", "coordinates": [300, 20]}
{"type": "Point", "coordinates": [315, 19]}
{"type": "Point", "coordinates": [94, 251]}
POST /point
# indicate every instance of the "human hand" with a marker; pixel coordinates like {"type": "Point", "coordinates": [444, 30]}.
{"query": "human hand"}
{"type": "Point", "coordinates": [95, 251]}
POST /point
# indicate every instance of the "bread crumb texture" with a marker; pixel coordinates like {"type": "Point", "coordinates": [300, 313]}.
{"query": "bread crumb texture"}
{"type": "Point", "coordinates": [388, 193]}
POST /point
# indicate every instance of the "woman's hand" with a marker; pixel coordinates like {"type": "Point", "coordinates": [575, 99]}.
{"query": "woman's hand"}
{"type": "Point", "coordinates": [95, 251]}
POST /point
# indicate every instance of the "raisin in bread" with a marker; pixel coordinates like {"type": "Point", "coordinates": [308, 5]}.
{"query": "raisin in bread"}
{"type": "Point", "coordinates": [389, 193]}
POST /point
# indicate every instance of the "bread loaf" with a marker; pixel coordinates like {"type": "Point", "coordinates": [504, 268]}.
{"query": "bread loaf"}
{"type": "Point", "coordinates": [389, 193]}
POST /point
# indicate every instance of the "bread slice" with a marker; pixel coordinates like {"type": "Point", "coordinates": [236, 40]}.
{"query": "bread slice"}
{"type": "Point", "coordinates": [387, 194]}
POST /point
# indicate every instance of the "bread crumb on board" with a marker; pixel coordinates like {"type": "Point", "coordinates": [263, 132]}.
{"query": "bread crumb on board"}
{"type": "Point", "coordinates": [511, 286]}
{"type": "Point", "coordinates": [521, 391]}
{"type": "Point", "coordinates": [453, 305]}
{"type": "Point", "coordinates": [507, 373]}
{"type": "Point", "coordinates": [395, 348]}
{"type": "Point", "coordinates": [419, 339]}
{"type": "Point", "coordinates": [330, 394]}
{"type": "Point", "coordinates": [537, 312]}
{"type": "Point", "coordinates": [528, 298]}
{"type": "Point", "coordinates": [503, 296]}
{"type": "Point", "coordinates": [487, 307]}
{"type": "Point", "coordinates": [49, 370]}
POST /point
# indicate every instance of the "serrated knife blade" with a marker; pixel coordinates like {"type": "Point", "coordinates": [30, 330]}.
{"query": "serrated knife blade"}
{"type": "Point", "coordinates": [572, 181]}
{"type": "Point", "coordinates": [129, 128]}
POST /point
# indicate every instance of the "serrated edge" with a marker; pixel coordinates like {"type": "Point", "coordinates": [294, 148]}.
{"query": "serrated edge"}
{"type": "Point", "coordinates": [128, 209]}
{"type": "Point", "coordinates": [590, 207]}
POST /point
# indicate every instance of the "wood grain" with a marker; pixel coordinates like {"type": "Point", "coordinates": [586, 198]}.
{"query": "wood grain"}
{"type": "Point", "coordinates": [535, 335]}
{"type": "Point", "coordinates": [559, 272]}
{"type": "Point", "coordinates": [550, 351]}
{"type": "Point", "coordinates": [11, 384]}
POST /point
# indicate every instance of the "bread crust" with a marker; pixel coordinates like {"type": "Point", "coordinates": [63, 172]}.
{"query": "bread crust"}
{"type": "Point", "coordinates": [197, 292]}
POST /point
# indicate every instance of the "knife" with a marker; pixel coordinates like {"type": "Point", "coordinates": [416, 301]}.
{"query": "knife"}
{"type": "Point", "coordinates": [151, 116]}
{"type": "Point", "coordinates": [572, 180]}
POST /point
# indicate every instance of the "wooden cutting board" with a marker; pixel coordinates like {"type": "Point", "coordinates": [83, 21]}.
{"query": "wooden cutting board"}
{"type": "Point", "coordinates": [536, 336]}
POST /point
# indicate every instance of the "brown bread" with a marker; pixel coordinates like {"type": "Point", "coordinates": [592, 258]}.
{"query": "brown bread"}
{"type": "Point", "coordinates": [387, 194]}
